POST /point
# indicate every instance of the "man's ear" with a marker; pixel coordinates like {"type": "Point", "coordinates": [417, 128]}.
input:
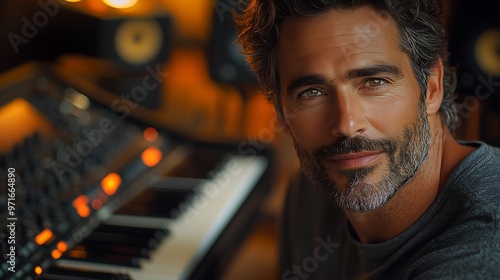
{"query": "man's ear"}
{"type": "Point", "coordinates": [435, 88]}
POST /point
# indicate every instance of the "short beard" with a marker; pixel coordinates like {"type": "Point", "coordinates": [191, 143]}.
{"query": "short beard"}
{"type": "Point", "coordinates": [361, 193]}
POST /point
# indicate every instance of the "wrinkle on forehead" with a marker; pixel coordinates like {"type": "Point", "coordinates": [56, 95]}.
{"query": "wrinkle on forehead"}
{"type": "Point", "coordinates": [355, 35]}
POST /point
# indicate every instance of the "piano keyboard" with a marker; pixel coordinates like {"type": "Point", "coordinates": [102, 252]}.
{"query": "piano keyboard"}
{"type": "Point", "coordinates": [130, 206]}
{"type": "Point", "coordinates": [189, 236]}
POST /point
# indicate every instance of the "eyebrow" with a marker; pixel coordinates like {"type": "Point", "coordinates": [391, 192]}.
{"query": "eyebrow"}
{"type": "Point", "coordinates": [305, 81]}
{"type": "Point", "coordinates": [351, 74]}
{"type": "Point", "coordinates": [375, 70]}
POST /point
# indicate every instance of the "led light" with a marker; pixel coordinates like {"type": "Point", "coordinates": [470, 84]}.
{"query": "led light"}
{"type": "Point", "coordinates": [56, 254]}
{"type": "Point", "coordinates": [38, 270]}
{"type": "Point", "coordinates": [73, 1]}
{"type": "Point", "coordinates": [44, 236]}
{"type": "Point", "coordinates": [83, 211]}
{"type": "Point", "coordinates": [78, 252]}
{"type": "Point", "coordinates": [111, 183]}
{"type": "Point", "coordinates": [62, 246]}
{"type": "Point", "coordinates": [120, 4]}
{"type": "Point", "coordinates": [82, 199]}
{"type": "Point", "coordinates": [151, 156]}
{"type": "Point", "coordinates": [150, 134]}
{"type": "Point", "coordinates": [96, 204]}
{"type": "Point", "coordinates": [80, 204]}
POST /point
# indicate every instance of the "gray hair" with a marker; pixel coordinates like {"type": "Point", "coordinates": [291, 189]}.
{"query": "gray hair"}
{"type": "Point", "coordinates": [422, 37]}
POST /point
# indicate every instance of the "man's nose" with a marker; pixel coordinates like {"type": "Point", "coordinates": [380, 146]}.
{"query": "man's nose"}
{"type": "Point", "coordinates": [348, 115]}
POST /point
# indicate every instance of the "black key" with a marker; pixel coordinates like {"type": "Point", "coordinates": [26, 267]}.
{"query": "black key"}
{"type": "Point", "coordinates": [79, 253]}
{"type": "Point", "coordinates": [157, 234]}
{"type": "Point", "coordinates": [120, 238]}
{"type": "Point", "coordinates": [128, 250]}
{"type": "Point", "coordinates": [154, 202]}
{"type": "Point", "coordinates": [199, 164]}
{"type": "Point", "coordinates": [60, 273]}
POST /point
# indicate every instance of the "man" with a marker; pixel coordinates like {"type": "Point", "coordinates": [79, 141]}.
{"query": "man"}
{"type": "Point", "coordinates": [363, 89]}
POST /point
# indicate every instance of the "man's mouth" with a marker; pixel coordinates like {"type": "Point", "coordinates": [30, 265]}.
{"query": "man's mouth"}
{"type": "Point", "coordinates": [353, 160]}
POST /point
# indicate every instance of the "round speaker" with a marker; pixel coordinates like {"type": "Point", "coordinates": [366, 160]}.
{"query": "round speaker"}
{"type": "Point", "coordinates": [139, 41]}
{"type": "Point", "coordinates": [487, 51]}
{"type": "Point", "coordinates": [475, 46]}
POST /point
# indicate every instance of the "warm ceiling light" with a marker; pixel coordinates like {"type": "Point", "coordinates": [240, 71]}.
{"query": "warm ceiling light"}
{"type": "Point", "coordinates": [73, 1]}
{"type": "Point", "coordinates": [120, 4]}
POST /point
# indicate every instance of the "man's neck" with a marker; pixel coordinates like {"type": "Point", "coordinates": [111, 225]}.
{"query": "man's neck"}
{"type": "Point", "coordinates": [411, 202]}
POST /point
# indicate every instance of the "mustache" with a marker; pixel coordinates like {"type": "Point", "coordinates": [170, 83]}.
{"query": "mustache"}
{"type": "Point", "coordinates": [355, 145]}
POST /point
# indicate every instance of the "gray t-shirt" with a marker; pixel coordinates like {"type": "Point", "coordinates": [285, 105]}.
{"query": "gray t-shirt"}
{"type": "Point", "coordinates": [458, 237]}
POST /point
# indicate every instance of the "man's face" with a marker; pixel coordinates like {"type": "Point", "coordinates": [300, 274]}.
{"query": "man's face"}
{"type": "Point", "coordinates": [352, 105]}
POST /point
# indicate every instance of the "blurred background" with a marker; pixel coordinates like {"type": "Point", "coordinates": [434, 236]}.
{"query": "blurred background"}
{"type": "Point", "coordinates": [166, 76]}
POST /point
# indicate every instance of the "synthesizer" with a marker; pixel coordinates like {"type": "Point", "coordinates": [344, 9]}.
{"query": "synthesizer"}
{"type": "Point", "coordinates": [88, 194]}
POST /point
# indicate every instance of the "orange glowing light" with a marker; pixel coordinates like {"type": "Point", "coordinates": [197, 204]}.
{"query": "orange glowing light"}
{"type": "Point", "coordinates": [120, 4]}
{"type": "Point", "coordinates": [97, 7]}
{"type": "Point", "coordinates": [56, 254]}
{"type": "Point", "coordinates": [78, 252]}
{"type": "Point", "coordinates": [83, 211]}
{"type": "Point", "coordinates": [150, 134]}
{"type": "Point", "coordinates": [80, 204]}
{"type": "Point", "coordinates": [38, 270]}
{"type": "Point", "coordinates": [111, 183]}
{"type": "Point", "coordinates": [43, 236]}
{"type": "Point", "coordinates": [19, 120]}
{"type": "Point", "coordinates": [62, 246]}
{"type": "Point", "coordinates": [96, 204]}
{"type": "Point", "coordinates": [151, 156]}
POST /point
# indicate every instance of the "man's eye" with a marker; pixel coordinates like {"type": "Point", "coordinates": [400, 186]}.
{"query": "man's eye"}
{"type": "Point", "coordinates": [310, 93]}
{"type": "Point", "coordinates": [375, 82]}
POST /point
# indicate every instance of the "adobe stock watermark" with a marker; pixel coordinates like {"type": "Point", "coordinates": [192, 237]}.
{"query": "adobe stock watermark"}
{"type": "Point", "coordinates": [483, 91]}
{"type": "Point", "coordinates": [139, 93]}
{"type": "Point", "coordinates": [223, 6]}
{"type": "Point", "coordinates": [253, 145]}
{"type": "Point", "coordinates": [310, 264]}
{"type": "Point", "coordinates": [221, 178]}
{"type": "Point", "coordinates": [217, 182]}
{"type": "Point", "coordinates": [73, 155]}
{"type": "Point", "coordinates": [31, 27]}
{"type": "Point", "coordinates": [367, 32]}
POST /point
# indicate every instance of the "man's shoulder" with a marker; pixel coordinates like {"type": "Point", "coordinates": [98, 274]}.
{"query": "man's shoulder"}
{"type": "Point", "coordinates": [476, 260]}
{"type": "Point", "coordinates": [496, 152]}
{"type": "Point", "coordinates": [484, 151]}
{"type": "Point", "coordinates": [479, 171]}
{"type": "Point", "coordinates": [466, 237]}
